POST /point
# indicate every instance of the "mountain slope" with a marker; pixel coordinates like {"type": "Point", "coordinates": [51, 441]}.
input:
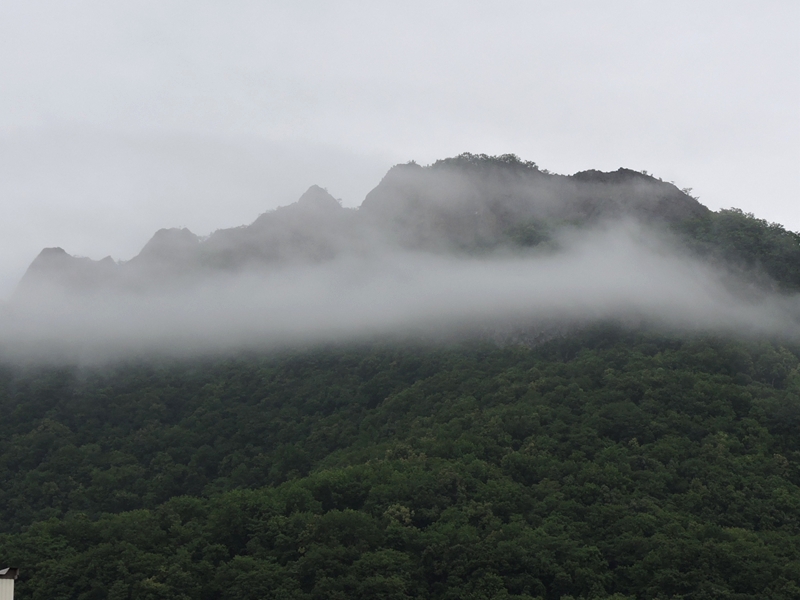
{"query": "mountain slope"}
{"type": "Point", "coordinates": [599, 461]}
{"type": "Point", "coordinates": [601, 465]}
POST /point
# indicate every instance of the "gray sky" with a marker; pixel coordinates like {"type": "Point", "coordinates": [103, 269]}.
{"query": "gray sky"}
{"type": "Point", "coordinates": [119, 118]}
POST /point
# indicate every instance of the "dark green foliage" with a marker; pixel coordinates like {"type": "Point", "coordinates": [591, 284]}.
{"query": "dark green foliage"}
{"type": "Point", "coordinates": [604, 465]}
{"type": "Point", "coordinates": [739, 239]}
{"type": "Point", "coordinates": [529, 234]}
{"type": "Point", "coordinates": [484, 162]}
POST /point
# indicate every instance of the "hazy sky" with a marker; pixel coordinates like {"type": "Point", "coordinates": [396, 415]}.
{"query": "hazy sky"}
{"type": "Point", "coordinates": [119, 118]}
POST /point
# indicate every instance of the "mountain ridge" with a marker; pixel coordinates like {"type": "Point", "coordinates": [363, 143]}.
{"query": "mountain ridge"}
{"type": "Point", "coordinates": [614, 425]}
{"type": "Point", "coordinates": [463, 203]}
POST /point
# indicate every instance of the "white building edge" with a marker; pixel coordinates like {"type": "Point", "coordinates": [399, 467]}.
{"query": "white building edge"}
{"type": "Point", "coordinates": [7, 578]}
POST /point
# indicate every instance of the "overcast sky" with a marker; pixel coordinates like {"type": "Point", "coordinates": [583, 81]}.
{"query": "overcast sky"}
{"type": "Point", "coordinates": [119, 118]}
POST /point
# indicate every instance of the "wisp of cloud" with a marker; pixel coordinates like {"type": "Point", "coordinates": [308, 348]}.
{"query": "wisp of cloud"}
{"type": "Point", "coordinates": [622, 272]}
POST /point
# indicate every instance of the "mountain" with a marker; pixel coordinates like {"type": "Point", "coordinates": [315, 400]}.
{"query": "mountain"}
{"type": "Point", "coordinates": [609, 460]}
{"type": "Point", "coordinates": [464, 204]}
{"type": "Point", "coordinates": [480, 200]}
{"type": "Point", "coordinates": [314, 228]}
{"type": "Point", "coordinates": [55, 267]}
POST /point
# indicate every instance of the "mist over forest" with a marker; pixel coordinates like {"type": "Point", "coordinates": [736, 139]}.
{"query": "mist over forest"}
{"type": "Point", "coordinates": [468, 246]}
{"type": "Point", "coordinates": [488, 381]}
{"type": "Point", "coordinates": [243, 357]}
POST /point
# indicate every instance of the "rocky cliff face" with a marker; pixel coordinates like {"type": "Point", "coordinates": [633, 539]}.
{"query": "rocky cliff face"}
{"type": "Point", "coordinates": [466, 203]}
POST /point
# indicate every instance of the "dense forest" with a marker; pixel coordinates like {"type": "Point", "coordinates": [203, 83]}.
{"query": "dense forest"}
{"type": "Point", "coordinates": [765, 251]}
{"type": "Point", "coordinates": [605, 462]}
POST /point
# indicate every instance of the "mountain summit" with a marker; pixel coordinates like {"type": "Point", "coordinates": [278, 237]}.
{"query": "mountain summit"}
{"type": "Point", "coordinates": [318, 199]}
{"type": "Point", "coordinates": [53, 266]}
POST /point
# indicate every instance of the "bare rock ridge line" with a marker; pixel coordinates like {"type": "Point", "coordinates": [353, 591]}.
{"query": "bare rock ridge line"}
{"type": "Point", "coordinates": [466, 203]}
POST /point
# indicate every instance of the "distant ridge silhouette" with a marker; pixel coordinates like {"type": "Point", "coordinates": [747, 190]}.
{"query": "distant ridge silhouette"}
{"type": "Point", "coordinates": [471, 202]}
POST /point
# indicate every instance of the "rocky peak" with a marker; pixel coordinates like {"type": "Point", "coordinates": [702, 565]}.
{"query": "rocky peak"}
{"type": "Point", "coordinates": [317, 198]}
{"type": "Point", "coordinates": [56, 266]}
{"type": "Point", "coordinates": [168, 244]}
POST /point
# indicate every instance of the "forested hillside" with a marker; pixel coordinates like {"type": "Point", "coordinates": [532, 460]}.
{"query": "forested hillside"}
{"type": "Point", "coordinates": [766, 251]}
{"type": "Point", "coordinates": [605, 464]}
{"type": "Point", "coordinates": [594, 457]}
